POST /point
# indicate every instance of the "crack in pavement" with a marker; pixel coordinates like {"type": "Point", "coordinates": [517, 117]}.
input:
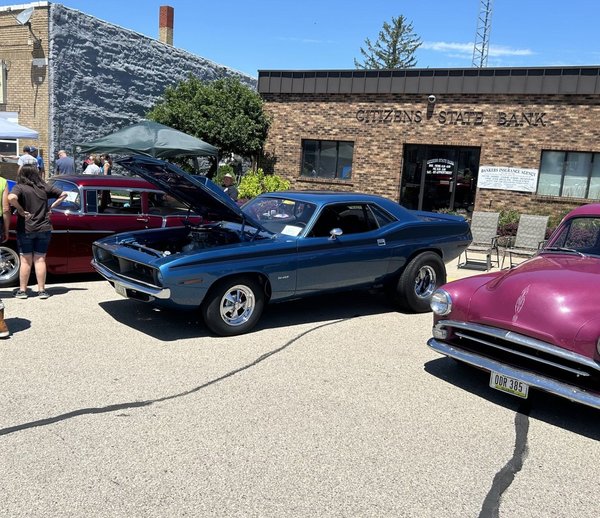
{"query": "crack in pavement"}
{"type": "Point", "coordinates": [504, 478]}
{"type": "Point", "coordinates": [140, 404]}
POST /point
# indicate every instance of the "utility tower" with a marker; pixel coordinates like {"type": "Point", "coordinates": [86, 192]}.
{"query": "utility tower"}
{"type": "Point", "coordinates": [482, 36]}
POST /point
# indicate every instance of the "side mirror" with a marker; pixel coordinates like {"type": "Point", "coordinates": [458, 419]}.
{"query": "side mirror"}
{"type": "Point", "coordinates": [335, 232]}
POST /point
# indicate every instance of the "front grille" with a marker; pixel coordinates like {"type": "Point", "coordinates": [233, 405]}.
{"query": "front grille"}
{"type": "Point", "coordinates": [524, 353]}
{"type": "Point", "coordinates": [126, 268]}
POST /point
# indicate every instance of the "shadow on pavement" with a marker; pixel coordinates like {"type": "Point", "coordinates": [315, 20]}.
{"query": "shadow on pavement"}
{"type": "Point", "coordinates": [545, 407]}
{"type": "Point", "coordinates": [169, 325]}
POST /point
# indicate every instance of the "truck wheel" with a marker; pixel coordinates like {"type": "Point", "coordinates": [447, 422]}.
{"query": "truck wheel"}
{"type": "Point", "coordinates": [421, 277]}
{"type": "Point", "coordinates": [233, 306]}
{"type": "Point", "coordinates": [9, 267]}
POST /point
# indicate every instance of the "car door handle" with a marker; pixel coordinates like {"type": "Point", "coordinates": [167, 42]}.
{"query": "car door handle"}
{"type": "Point", "coordinates": [143, 220]}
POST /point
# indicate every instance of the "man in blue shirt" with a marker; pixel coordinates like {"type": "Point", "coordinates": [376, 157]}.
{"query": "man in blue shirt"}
{"type": "Point", "coordinates": [65, 164]}
{"type": "Point", "coordinates": [34, 153]}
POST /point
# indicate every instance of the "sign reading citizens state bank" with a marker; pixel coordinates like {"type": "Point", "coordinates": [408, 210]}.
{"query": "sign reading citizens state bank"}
{"type": "Point", "coordinates": [452, 117]}
{"type": "Point", "coordinates": [507, 178]}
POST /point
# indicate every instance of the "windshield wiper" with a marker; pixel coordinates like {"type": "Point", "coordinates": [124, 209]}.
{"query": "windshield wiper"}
{"type": "Point", "coordinates": [562, 249]}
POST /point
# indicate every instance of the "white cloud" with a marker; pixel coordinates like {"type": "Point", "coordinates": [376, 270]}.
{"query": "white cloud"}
{"type": "Point", "coordinates": [465, 50]}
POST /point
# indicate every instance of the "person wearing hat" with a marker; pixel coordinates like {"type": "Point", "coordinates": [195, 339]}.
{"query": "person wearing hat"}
{"type": "Point", "coordinates": [27, 157]}
{"type": "Point", "coordinates": [229, 186]}
{"type": "Point", "coordinates": [40, 161]}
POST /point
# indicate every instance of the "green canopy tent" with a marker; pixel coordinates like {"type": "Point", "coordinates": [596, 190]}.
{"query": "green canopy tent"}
{"type": "Point", "coordinates": [149, 138]}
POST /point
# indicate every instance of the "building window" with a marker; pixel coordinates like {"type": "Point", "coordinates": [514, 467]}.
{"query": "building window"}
{"type": "Point", "coordinates": [570, 175]}
{"type": "Point", "coordinates": [327, 159]}
{"type": "Point", "coordinates": [8, 147]}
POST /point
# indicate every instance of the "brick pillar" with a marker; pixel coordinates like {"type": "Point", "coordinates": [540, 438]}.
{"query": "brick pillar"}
{"type": "Point", "coordinates": [165, 24]}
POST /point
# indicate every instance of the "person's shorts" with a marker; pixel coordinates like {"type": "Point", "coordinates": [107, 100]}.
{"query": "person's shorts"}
{"type": "Point", "coordinates": [33, 242]}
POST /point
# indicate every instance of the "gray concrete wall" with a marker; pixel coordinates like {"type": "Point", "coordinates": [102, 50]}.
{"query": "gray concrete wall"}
{"type": "Point", "coordinates": [104, 77]}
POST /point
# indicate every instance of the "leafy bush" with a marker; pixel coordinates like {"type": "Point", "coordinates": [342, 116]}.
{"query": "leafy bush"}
{"type": "Point", "coordinates": [508, 222]}
{"type": "Point", "coordinates": [256, 182]}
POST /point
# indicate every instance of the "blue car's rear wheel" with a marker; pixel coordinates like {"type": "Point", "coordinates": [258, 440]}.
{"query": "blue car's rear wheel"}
{"type": "Point", "coordinates": [421, 277]}
{"type": "Point", "coordinates": [233, 306]}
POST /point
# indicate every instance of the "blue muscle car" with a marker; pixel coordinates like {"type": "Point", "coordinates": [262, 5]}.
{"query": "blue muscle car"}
{"type": "Point", "coordinates": [276, 247]}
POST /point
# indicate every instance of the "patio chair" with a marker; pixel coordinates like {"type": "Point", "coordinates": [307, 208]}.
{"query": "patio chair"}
{"type": "Point", "coordinates": [484, 227]}
{"type": "Point", "coordinates": [531, 233]}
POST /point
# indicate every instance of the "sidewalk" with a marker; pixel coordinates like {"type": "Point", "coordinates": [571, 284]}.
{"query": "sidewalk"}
{"type": "Point", "coordinates": [454, 272]}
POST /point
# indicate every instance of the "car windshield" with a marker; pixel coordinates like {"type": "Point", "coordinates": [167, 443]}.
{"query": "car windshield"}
{"type": "Point", "coordinates": [279, 214]}
{"type": "Point", "coordinates": [578, 235]}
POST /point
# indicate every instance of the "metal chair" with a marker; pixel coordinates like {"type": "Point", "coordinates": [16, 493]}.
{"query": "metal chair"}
{"type": "Point", "coordinates": [531, 233]}
{"type": "Point", "coordinates": [484, 228]}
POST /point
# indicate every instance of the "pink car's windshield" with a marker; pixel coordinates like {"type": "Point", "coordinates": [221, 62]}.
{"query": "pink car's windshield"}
{"type": "Point", "coordinates": [578, 234]}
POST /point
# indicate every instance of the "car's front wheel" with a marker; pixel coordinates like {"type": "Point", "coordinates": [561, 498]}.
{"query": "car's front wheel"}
{"type": "Point", "coordinates": [422, 276]}
{"type": "Point", "coordinates": [9, 267]}
{"type": "Point", "coordinates": [233, 306]}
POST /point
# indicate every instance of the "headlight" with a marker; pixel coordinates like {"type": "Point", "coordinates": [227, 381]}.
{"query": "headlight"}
{"type": "Point", "coordinates": [159, 277]}
{"type": "Point", "coordinates": [441, 302]}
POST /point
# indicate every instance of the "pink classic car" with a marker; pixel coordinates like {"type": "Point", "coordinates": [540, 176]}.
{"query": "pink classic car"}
{"type": "Point", "coordinates": [536, 325]}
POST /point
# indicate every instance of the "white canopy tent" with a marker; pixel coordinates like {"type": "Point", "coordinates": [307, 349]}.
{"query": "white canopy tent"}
{"type": "Point", "coordinates": [13, 130]}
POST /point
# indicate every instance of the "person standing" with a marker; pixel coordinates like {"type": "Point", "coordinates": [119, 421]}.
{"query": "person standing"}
{"type": "Point", "coordinates": [35, 153]}
{"type": "Point", "coordinates": [30, 197]}
{"type": "Point", "coordinates": [106, 164]}
{"type": "Point", "coordinates": [229, 186]}
{"type": "Point", "coordinates": [27, 157]}
{"type": "Point", "coordinates": [95, 167]}
{"type": "Point", "coordinates": [5, 217]}
{"type": "Point", "coordinates": [65, 164]}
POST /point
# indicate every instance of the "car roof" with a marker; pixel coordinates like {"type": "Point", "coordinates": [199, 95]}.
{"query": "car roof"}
{"type": "Point", "coordinates": [326, 196]}
{"type": "Point", "coordinates": [90, 180]}
{"type": "Point", "coordinates": [591, 209]}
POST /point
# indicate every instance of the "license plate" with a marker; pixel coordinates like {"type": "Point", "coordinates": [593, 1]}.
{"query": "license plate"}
{"type": "Point", "coordinates": [120, 289]}
{"type": "Point", "coordinates": [507, 384]}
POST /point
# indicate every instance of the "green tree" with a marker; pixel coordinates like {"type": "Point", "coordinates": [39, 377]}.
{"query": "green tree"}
{"type": "Point", "coordinates": [394, 48]}
{"type": "Point", "coordinates": [225, 113]}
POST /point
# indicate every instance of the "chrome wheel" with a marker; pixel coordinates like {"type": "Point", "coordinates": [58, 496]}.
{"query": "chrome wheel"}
{"type": "Point", "coordinates": [237, 305]}
{"type": "Point", "coordinates": [425, 282]}
{"type": "Point", "coordinates": [9, 266]}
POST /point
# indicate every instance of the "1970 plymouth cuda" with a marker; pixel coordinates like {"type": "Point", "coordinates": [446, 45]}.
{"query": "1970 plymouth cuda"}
{"type": "Point", "coordinates": [277, 247]}
{"type": "Point", "coordinates": [535, 325]}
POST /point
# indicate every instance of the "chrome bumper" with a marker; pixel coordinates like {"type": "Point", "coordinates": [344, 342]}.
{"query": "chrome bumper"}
{"type": "Point", "coordinates": [129, 284]}
{"type": "Point", "coordinates": [533, 380]}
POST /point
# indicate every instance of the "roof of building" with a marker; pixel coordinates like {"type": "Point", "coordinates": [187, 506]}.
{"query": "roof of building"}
{"type": "Point", "coordinates": [512, 81]}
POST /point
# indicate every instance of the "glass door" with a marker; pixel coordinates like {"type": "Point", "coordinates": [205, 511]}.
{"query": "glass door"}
{"type": "Point", "coordinates": [439, 177]}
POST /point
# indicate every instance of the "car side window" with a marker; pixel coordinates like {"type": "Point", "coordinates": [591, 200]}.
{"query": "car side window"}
{"type": "Point", "coordinates": [73, 200]}
{"type": "Point", "coordinates": [352, 218]}
{"type": "Point", "coordinates": [118, 201]}
{"type": "Point", "coordinates": [381, 217]}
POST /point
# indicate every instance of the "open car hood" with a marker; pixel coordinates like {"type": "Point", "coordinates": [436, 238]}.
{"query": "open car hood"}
{"type": "Point", "coordinates": [197, 192]}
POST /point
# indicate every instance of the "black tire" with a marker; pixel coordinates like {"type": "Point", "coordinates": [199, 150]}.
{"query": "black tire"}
{"type": "Point", "coordinates": [421, 277]}
{"type": "Point", "coordinates": [233, 306]}
{"type": "Point", "coordinates": [10, 263]}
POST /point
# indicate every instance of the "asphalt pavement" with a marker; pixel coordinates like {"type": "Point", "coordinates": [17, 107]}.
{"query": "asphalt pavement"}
{"type": "Point", "coordinates": [333, 406]}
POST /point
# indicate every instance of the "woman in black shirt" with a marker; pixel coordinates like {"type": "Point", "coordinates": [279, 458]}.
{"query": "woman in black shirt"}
{"type": "Point", "coordinates": [30, 197]}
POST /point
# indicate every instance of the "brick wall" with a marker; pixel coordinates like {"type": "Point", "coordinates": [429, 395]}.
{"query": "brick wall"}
{"type": "Point", "coordinates": [27, 84]}
{"type": "Point", "coordinates": [569, 123]}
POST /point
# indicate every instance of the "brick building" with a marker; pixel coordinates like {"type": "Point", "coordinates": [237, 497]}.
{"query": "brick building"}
{"type": "Point", "coordinates": [441, 139]}
{"type": "Point", "coordinates": [73, 77]}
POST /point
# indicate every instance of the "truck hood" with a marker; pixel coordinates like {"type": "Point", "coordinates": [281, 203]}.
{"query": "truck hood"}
{"type": "Point", "coordinates": [550, 297]}
{"type": "Point", "coordinates": [197, 192]}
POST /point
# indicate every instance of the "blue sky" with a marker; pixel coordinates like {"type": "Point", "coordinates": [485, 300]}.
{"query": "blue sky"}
{"type": "Point", "coordinates": [327, 34]}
